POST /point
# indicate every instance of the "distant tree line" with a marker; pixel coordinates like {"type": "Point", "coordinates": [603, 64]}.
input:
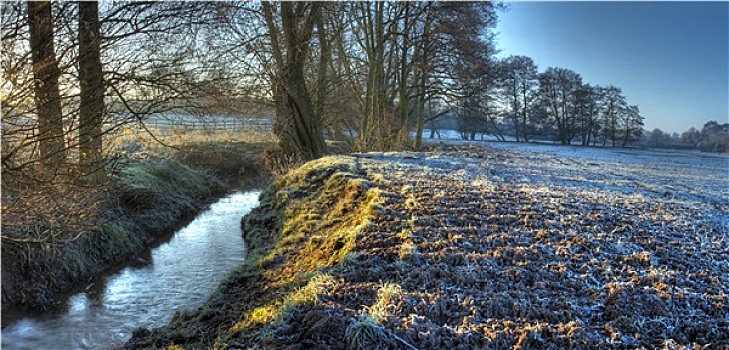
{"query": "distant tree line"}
{"type": "Point", "coordinates": [521, 102]}
{"type": "Point", "coordinates": [713, 137]}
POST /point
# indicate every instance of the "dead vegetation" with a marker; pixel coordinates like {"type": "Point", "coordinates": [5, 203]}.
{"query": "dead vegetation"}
{"type": "Point", "coordinates": [453, 250]}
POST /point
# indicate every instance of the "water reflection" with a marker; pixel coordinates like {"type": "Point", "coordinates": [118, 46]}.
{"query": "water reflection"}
{"type": "Point", "coordinates": [178, 275]}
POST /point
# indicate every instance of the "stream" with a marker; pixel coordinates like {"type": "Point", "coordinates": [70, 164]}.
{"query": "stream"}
{"type": "Point", "coordinates": [178, 275]}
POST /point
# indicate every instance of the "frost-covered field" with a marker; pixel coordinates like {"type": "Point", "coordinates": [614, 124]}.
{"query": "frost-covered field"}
{"type": "Point", "coordinates": [489, 246]}
{"type": "Point", "coordinates": [544, 246]}
{"type": "Point", "coordinates": [555, 246]}
{"type": "Point", "coordinates": [701, 178]}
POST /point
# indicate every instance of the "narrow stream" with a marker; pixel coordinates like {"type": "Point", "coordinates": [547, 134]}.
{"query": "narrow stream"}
{"type": "Point", "coordinates": [181, 275]}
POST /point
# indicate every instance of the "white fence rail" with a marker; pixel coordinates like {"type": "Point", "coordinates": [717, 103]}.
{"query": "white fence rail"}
{"type": "Point", "coordinates": [169, 124]}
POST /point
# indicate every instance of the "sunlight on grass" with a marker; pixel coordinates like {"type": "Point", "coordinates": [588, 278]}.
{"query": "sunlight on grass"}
{"type": "Point", "coordinates": [365, 331]}
{"type": "Point", "coordinates": [387, 297]}
{"type": "Point", "coordinates": [319, 210]}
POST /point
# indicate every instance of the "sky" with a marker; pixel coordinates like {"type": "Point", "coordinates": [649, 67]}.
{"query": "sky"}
{"type": "Point", "coordinates": [669, 58]}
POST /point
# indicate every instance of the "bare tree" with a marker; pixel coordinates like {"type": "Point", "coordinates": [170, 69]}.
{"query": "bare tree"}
{"type": "Point", "coordinates": [397, 58]}
{"type": "Point", "coordinates": [558, 87]}
{"type": "Point", "coordinates": [463, 66]}
{"type": "Point", "coordinates": [297, 125]}
{"type": "Point", "coordinates": [631, 125]}
{"type": "Point", "coordinates": [587, 99]}
{"type": "Point", "coordinates": [613, 102]}
{"type": "Point", "coordinates": [520, 84]}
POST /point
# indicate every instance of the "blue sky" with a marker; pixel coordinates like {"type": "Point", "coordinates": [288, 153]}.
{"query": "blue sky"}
{"type": "Point", "coordinates": [670, 58]}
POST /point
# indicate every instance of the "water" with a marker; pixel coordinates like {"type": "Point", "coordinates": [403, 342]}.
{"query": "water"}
{"type": "Point", "coordinates": [180, 275]}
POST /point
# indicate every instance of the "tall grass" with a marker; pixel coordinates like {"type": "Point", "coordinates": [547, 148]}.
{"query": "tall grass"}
{"type": "Point", "coordinates": [54, 238]}
{"type": "Point", "coordinates": [157, 194]}
{"type": "Point", "coordinates": [160, 193]}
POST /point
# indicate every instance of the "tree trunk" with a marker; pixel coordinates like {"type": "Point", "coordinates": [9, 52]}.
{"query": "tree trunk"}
{"type": "Point", "coordinates": [91, 81]}
{"type": "Point", "coordinates": [404, 74]}
{"type": "Point", "coordinates": [378, 102]}
{"type": "Point", "coordinates": [45, 75]}
{"type": "Point", "coordinates": [420, 114]}
{"type": "Point", "coordinates": [297, 125]}
{"type": "Point", "coordinates": [321, 79]}
{"type": "Point", "coordinates": [421, 79]}
{"type": "Point", "coordinates": [515, 113]}
{"type": "Point", "coordinates": [525, 113]}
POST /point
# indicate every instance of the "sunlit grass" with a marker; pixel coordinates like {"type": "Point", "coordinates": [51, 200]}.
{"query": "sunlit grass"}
{"type": "Point", "coordinates": [305, 296]}
{"type": "Point", "coordinates": [134, 133]}
{"type": "Point", "coordinates": [406, 249]}
{"type": "Point", "coordinates": [320, 209]}
{"type": "Point", "coordinates": [387, 297]}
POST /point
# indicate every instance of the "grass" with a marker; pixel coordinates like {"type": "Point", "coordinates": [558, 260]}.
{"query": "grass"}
{"type": "Point", "coordinates": [447, 299]}
{"type": "Point", "coordinates": [406, 236]}
{"type": "Point", "coordinates": [159, 194]}
{"type": "Point", "coordinates": [348, 260]}
{"type": "Point", "coordinates": [407, 248]}
{"type": "Point", "coordinates": [280, 311]}
{"type": "Point", "coordinates": [364, 333]}
{"type": "Point", "coordinates": [387, 296]}
{"type": "Point", "coordinates": [182, 138]}
{"type": "Point", "coordinates": [54, 237]}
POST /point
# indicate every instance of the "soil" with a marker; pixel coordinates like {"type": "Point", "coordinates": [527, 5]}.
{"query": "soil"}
{"type": "Point", "coordinates": [472, 248]}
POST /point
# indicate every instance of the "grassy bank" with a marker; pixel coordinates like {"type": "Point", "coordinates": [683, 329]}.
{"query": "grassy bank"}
{"type": "Point", "coordinates": [470, 249]}
{"type": "Point", "coordinates": [303, 230]}
{"type": "Point", "coordinates": [145, 200]}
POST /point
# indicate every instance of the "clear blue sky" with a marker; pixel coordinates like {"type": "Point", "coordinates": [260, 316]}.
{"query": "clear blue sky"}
{"type": "Point", "coordinates": [670, 58]}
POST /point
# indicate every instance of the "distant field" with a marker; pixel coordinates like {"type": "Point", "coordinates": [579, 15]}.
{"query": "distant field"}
{"type": "Point", "coordinates": [693, 176]}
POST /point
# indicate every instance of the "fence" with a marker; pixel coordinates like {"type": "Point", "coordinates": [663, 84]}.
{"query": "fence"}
{"type": "Point", "coordinates": [167, 125]}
